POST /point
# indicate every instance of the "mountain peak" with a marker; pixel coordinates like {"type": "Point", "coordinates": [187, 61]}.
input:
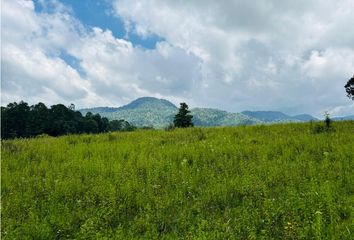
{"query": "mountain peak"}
{"type": "Point", "coordinates": [148, 102]}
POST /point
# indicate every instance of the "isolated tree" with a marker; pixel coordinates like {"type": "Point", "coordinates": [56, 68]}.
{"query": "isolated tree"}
{"type": "Point", "coordinates": [327, 120]}
{"type": "Point", "coordinates": [72, 106]}
{"type": "Point", "coordinates": [183, 118]}
{"type": "Point", "coordinates": [349, 88]}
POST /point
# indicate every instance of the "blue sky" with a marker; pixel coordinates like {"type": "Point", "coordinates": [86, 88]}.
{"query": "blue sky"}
{"type": "Point", "coordinates": [288, 56]}
{"type": "Point", "coordinates": [99, 13]}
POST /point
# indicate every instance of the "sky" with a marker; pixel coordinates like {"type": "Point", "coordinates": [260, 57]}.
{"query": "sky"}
{"type": "Point", "coordinates": [282, 55]}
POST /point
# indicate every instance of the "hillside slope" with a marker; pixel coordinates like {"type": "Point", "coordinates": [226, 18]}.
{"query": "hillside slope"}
{"type": "Point", "coordinates": [216, 117]}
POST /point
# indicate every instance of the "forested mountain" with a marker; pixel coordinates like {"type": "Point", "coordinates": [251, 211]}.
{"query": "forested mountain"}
{"type": "Point", "coordinates": [305, 117]}
{"type": "Point", "coordinates": [142, 112]}
{"type": "Point", "coordinates": [159, 113]}
{"type": "Point", "coordinates": [276, 116]}
{"type": "Point", "coordinates": [216, 117]}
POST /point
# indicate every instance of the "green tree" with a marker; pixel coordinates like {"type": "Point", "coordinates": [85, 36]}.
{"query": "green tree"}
{"type": "Point", "coordinates": [21, 120]}
{"type": "Point", "coordinates": [349, 88]}
{"type": "Point", "coordinates": [183, 118]}
{"type": "Point", "coordinates": [38, 119]}
{"type": "Point", "coordinates": [116, 125]}
{"type": "Point", "coordinates": [14, 120]}
{"type": "Point", "coordinates": [90, 126]}
{"type": "Point", "coordinates": [61, 120]}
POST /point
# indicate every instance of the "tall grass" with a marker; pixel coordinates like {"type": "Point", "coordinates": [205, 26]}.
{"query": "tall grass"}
{"type": "Point", "coordinates": [252, 182]}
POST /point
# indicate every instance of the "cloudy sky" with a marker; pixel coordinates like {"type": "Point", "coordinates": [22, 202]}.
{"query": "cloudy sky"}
{"type": "Point", "coordinates": [292, 56]}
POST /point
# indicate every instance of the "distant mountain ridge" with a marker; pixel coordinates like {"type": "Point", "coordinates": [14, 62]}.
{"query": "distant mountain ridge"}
{"type": "Point", "coordinates": [159, 113]}
{"type": "Point", "coordinates": [350, 117]}
{"type": "Point", "coordinates": [216, 117]}
{"type": "Point", "coordinates": [276, 116]}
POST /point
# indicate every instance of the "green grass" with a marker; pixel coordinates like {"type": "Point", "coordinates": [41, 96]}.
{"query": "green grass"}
{"type": "Point", "coordinates": [253, 182]}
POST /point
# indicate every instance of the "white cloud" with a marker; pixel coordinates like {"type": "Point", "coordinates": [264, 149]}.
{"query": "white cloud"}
{"type": "Point", "coordinates": [30, 67]}
{"type": "Point", "coordinates": [115, 71]}
{"type": "Point", "coordinates": [235, 55]}
{"type": "Point", "coordinates": [257, 54]}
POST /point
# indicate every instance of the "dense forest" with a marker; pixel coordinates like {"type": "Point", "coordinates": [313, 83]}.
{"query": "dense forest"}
{"type": "Point", "coordinates": [22, 120]}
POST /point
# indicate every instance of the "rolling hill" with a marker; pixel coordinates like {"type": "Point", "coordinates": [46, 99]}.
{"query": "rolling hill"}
{"type": "Point", "coordinates": [159, 113]}
{"type": "Point", "coordinates": [216, 117]}
{"type": "Point", "coordinates": [276, 116]}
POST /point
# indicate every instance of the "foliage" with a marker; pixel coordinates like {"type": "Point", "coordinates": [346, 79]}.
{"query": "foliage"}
{"type": "Point", "coordinates": [349, 88]}
{"type": "Point", "coordinates": [327, 127]}
{"type": "Point", "coordinates": [21, 120]}
{"type": "Point", "coordinates": [183, 118]}
{"type": "Point", "coordinates": [170, 127]}
{"type": "Point", "coordinates": [248, 182]}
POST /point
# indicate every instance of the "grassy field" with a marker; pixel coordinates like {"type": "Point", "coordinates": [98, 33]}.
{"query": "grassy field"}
{"type": "Point", "coordinates": [253, 182]}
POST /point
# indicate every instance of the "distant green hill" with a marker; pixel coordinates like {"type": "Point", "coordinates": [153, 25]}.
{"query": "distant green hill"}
{"type": "Point", "coordinates": [305, 117]}
{"type": "Point", "coordinates": [145, 111]}
{"type": "Point", "coordinates": [276, 116]}
{"type": "Point", "coordinates": [216, 117]}
{"type": "Point", "coordinates": [270, 116]}
{"type": "Point", "coordinates": [100, 110]}
{"type": "Point", "coordinates": [159, 113]}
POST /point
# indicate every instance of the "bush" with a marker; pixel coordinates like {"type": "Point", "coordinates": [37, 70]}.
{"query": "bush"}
{"type": "Point", "coordinates": [327, 127]}
{"type": "Point", "coordinates": [170, 127]}
{"type": "Point", "coordinates": [319, 129]}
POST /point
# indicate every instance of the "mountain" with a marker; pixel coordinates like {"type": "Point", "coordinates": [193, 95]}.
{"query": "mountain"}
{"type": "Point", "coordinates": [216, 117]}
{"type": "Point", "coordinates": [149, 102]}
{"type": "Point", "coordinates": [305, 118]}
{"type": "Point", "coordinates": [350, 117]}
{"type": "Point", "coordinates": [270, 116]}
{"type": "Point", "coordinates": [145, 111]}
{"type": "Point", "coordinates": [159, 113]}
{"type": "Point", "coordinates": [99, 110]}
{"type": "Point", "coordinates": [276, 116]}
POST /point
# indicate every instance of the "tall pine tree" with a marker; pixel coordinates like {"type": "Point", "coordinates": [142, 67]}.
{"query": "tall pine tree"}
{"type": "Point", "coordinates": [183, 119]}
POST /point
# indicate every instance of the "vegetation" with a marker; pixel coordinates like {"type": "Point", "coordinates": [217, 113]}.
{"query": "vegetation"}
{"type": "Point", "coordinates": [215, 117]}
{"type": "Point", "coordinates": [159, 113]}
{"type": "Point", "coordinates": [183, 118]}
{"type": "Point", "coordinates": [349, 88]}
{"type": "Point", "coordinates": [22, 120]}
{"type": "Point", "coordinates": [249, 182]}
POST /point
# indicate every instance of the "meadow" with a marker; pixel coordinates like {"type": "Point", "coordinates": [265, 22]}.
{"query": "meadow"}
{"type": "Point", "coordinates": [281, 181]}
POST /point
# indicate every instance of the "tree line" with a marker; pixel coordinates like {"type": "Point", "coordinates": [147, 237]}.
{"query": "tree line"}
{"type": "Point", "coordinates": [20, 120]}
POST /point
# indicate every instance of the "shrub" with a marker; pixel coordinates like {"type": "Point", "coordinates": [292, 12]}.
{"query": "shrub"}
{"type": "Point", "coordinates": [170, 127]}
